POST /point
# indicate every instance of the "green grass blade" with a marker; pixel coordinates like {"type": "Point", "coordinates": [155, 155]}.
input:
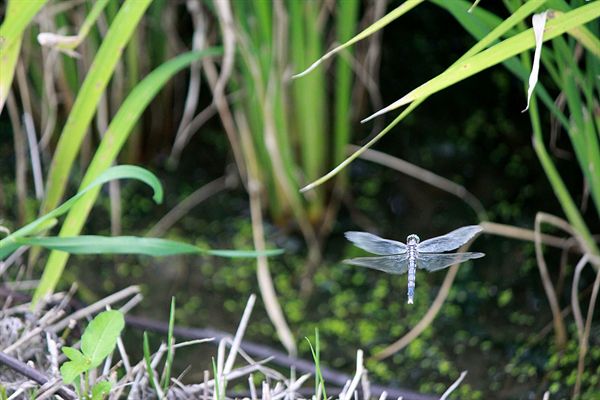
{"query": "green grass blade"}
{"type": "Point", "coordinates": [120, 127]}
{"type": "Point", "coordinates": [8, 65]}
{"type": "Point", "coordinates": [380, 24]}
{"type": "Point", "coordinates": [87, 99]}
{"type": "Point", "coordinates": [94, 244]}
{"type": "Point", "coordinates": [170, 349]}
{"type": "Point", "coordinates": [475, 3]}
{"type": "Point", "coordinates": [90, 19]}
{"type": "Point", "coordinates": [481, 22]}
{"type": "Point", "coordinates": [497, 54]}
{"type": "Point", "coordinates": [148, 362]}
{"type": "Point", "coordinates": [119, 172]}
{"type": "Point", "coordinates": [51, 277]}
{"type": "Point", "coordinates": [316, 354]}
{"type": "Point", "coordinates": [560, 190]}
{"type": "Point", "coordinates": [114, 139]}
{"type": "Point", "coordinates": [217, 378]}
{"type": "Point", "coordinates": [309, 101]}
{"type": "Point", "coordinates": [18, 15]}
{"type": "Point", "coordinates": [347, 22]}
{"type": "Point", "coordinates": [67, 43]}
{"type": "Point", "coordinates": [497, 32]}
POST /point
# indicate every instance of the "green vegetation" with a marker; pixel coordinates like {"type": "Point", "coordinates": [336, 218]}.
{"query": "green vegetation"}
{"type": "Point", "coordinates": [92, 89]}
{"type": "Point", "coordinates": [97, 342]}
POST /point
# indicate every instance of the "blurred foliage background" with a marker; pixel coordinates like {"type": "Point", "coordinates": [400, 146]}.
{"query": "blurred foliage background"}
{"type": "Point", "coordinates": [238, 123]}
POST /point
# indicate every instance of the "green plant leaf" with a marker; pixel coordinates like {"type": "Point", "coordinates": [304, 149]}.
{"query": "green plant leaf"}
{"type": "Point", "coordinates": [148, 362]}
{"type": "Point", "coordinates": [92, 244]}
{"type": "Point", "coordinates": [100, 336]}
{"type": "Point", "coordinates": [10, 244]}
{"type": "Point", "coordinates": [18, 15]}
{"type": "Point", "coordinates": [371, 29]}
{"type": "Point", "coordinates": [114, 138]}
{"type": "Point", "coordinates": [88, 97]}
{"type": "Point", "coordinates": [78, 364]}
{"type": "Point", "coordinates": [486, 40]}
{"type": "Point", "coordinates": [170, 348]}
{"type": "Point", "coordinates": [71, 370]}
{"type": "Point", "coordinates": [100, 389]}
{"type": "Point", "coordinates": [74, 355]}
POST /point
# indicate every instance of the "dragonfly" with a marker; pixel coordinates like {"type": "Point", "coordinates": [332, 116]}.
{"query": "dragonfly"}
{"type": "Point", "coordinates": [398, 258]}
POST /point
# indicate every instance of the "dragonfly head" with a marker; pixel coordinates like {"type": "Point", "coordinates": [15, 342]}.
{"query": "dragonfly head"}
{"type": "Point", "coordinates": [412, 239]}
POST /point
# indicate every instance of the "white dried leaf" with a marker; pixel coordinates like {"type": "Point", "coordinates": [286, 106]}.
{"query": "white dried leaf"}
{"type": "Point", "coordinates": [539, 23]}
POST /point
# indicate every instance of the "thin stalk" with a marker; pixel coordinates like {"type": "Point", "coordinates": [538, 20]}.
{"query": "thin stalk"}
{"type": "Point", "coordinates": [558, 186]}
{"type": "Point", "coordinates": [346, 27]}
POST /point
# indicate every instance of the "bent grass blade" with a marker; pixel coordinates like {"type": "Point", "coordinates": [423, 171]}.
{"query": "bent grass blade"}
{"type": "Point", "coordinates": [94, 244]}
{"type": "Point", "coordinates": [497, 32]}
{"type": "Point", "coordinates": [497, 54]}
{"type": "Point", "coordinates": [9, 243]}
{"type": "Point", "coordinates": [385, 20]}
{"type": "Point", "coordinates": [113, 141]}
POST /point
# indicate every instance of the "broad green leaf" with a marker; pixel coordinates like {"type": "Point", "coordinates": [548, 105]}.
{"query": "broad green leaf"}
{"type": "Point", "coordinates": [9, 243]}
{"type": "Point", "coordinates": [100, 336]}
{"type": "Point", "coordinates": [100, 389]}
{"type": "Point", "coordinates": [91, 244]}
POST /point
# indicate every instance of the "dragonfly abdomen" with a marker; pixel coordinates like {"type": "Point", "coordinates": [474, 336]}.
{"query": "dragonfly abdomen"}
{"type": "Point", "coordinates": [412, 272]}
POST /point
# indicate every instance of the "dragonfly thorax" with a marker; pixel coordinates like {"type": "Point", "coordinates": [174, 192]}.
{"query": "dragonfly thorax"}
{"type": "Point", "coordinates": [412, 240]}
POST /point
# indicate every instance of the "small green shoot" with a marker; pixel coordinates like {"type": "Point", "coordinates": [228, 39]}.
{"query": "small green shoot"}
{"type": "Point", "coordinates": [98, 341]}
{"type": "Point", "coordinates": [170, 349]}
{"type": "Point", "coordinates": [100, 389]}
{"type": "Point", "coordinates": [149, 363]}
{"type": "Point", "coordinates": [316, 353]}
{"type": "Point", "coordinates": [217, 394]}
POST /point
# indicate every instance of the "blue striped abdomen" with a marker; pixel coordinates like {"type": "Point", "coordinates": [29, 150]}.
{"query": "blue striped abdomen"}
{"type": "Point", "coordinates": [412, 272]}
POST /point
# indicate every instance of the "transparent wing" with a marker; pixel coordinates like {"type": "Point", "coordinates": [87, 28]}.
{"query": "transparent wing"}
{"type": "Point", "coordinates": [397, 264]}
{"type": "Point", "coordinates": [433, 262]}
{"type": "Point", "coordinates": [449, 241]}
{"type": "Point", "coordinates": [374, 244]}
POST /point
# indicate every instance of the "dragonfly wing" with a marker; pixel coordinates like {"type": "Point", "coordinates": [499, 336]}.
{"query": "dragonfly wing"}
{"type": "Point", "coordinates": [449, 241]}
{"type": "Point", "coordinates": [374, 244]}
{"type": "Point", "coordinates": [433, 262]}
{"type": "Point", "coordinates": [396, 264]}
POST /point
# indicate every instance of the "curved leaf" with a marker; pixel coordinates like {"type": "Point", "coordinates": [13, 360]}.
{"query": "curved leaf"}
{"type": "Point", "coordinates": [114, 138]}
{"type": "Point", "coordinates": [9, 243]}
{"type": "Point", "coordinates": [497, 54]}
{"type": "Point", "coordinates": [91, 244]}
